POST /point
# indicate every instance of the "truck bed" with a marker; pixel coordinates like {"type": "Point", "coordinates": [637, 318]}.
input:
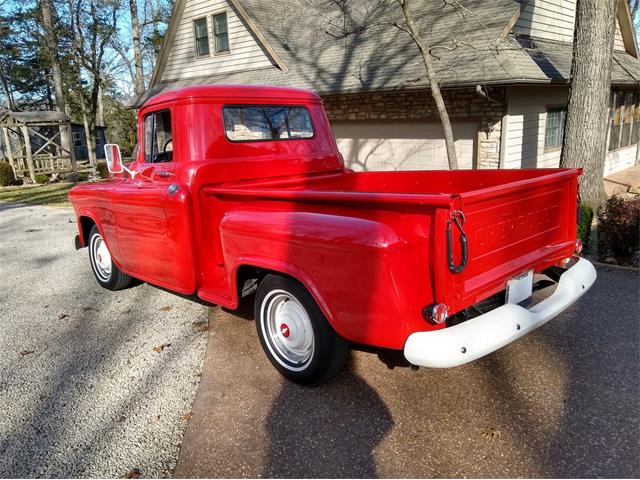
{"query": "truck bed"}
{"type": "Point", "coordinates": [516, 220]}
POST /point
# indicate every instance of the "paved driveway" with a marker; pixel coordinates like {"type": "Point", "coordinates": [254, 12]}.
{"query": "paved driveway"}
{"type": "Point", "coordinates": [82, 390]}
{"type": "Point", "coordinates": [562, 402]}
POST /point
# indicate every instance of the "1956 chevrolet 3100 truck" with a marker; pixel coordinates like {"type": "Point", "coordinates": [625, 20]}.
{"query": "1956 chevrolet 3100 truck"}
{"type": "Point", "coordinates": [241, 189]}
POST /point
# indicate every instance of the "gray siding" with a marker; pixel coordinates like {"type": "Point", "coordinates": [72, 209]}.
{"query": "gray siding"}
{"type": "Point", "coordinates": [526, 125]}
{"type": "Point", "coordinates": [553, 20]}
{"type": "Point", "coordinates": [618, 43]}
{"type": "Point", "coordinates": [245, 53]}
{"type": "Point", "coordinates": [548, 19]}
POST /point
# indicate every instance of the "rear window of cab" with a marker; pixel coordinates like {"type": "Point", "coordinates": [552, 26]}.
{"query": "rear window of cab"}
{"type": "Point", "coordinates": [254, 123]}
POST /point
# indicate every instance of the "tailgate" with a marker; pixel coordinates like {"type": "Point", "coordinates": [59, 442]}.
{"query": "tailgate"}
{"type": "Point", "coordinates": [510, 228]}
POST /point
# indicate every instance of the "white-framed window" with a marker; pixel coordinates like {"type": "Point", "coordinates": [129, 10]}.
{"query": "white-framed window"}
{"type": "Point", "coordinates": [78, 139]}
{"type": "Point", "coordinates": [554, 129]}
{"type": "Point", "coordinates": [624, 120]}
{"type": "Point", "coordinates": [201, 37]}
{"type": "Point", "coordinates": [221, 33]}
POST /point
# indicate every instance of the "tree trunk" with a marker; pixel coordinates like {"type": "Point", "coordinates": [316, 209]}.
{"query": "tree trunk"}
{"type": "Point", "coordinates": [137, 51]}
{"type": "Point", "coordinates": [585, 137]}
{"type": "Point", "coordinates": [6, 90]}
{"type": "Point", "coordinates": [413, 31]}
{"type": "Point", "coordinates": [56, 73]}
{"type": "Point", "coordinates": [89, 133]}
{"type": "Point", "coordinates": [100, 120]}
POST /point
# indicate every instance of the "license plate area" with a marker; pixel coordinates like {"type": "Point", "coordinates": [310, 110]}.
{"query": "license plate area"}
{"type": "Point", "coordinates": [519, 288]}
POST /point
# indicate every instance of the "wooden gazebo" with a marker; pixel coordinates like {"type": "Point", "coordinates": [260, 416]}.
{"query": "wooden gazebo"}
{"type": "Point", "coordinates": [32, 143]}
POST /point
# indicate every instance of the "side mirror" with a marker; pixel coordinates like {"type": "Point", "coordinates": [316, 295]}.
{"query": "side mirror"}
{"type": "Point", "coordinates": [114, 160]}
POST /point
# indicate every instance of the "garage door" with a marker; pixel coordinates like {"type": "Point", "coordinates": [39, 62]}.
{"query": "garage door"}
{"type": "Point", "coordinates": [398, 145]}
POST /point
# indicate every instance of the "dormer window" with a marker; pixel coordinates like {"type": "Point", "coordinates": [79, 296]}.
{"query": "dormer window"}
{"type": "Point", "coordinates": [221, 33]}
{"type": "Point", "coordinates": [201, 36]}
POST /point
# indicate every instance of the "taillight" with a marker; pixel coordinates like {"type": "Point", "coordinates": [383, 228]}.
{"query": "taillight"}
{"type": "Point", "coordinates": [578, 246]}
{"type": "Point", "coordinates": [435, 313]}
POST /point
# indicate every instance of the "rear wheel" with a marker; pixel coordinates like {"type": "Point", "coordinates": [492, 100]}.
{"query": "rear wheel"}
{"type": "Point", "coordinates": [105, 270]}
{"type": "Point", "coordinates": [294, 333]}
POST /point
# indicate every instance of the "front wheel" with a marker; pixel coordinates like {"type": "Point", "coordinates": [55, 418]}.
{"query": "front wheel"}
{"type": "Point", "coordinates": [105, 270]}
{"type": "Point", "coordinates": [294, 333]}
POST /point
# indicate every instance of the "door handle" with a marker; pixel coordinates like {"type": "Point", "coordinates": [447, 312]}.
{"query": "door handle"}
{"type": "Point", "coordinates": [164, 173]}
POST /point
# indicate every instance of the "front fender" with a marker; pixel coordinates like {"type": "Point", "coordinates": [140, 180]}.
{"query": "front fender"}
{"type": "Point", "coordinates": [94, 201]}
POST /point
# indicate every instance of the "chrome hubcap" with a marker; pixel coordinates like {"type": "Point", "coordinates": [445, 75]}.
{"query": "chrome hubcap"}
{"type": "Point", "coordinates": [288, 329]}
{"type": "Point", "coordinates": [100, 258]}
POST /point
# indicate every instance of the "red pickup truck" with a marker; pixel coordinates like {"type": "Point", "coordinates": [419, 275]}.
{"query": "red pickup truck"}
{"type": "Point", "coordinates": [239, 190]}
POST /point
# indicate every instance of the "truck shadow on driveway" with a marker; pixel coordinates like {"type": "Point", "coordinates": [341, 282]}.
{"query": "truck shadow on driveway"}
{"type": "Point", "coordinates": [560, 403]}
{"type": "Point", "coordinates": [249, 422]}
{"type": "Point", "coordinates": [316, 433]}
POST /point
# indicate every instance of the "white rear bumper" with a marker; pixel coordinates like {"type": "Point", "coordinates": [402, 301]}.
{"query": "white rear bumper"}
{"type": "Point", "coordinates": [482, 335]}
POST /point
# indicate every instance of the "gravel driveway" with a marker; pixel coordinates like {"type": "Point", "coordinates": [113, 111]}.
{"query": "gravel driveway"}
{"type": "Point", "coordinates": [92, 383]}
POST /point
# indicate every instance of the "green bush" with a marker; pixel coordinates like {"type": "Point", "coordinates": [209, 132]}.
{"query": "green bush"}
{"type": "Point", "coordinates": [6, 174]}
{"type": "Point", "coordinates": [42, 178]}
{"type": "Point", "coordinates": [619, 229]}
{"type": "Point", "coordinates": [77, 177]}
{"type": "Point", "coordinates": [102, 171]}
{"type": "Point", "coordinates": [585, 219]}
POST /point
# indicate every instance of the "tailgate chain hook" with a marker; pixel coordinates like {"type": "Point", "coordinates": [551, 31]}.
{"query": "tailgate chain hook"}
{"type": "Point", "coordinates": [459, 219]}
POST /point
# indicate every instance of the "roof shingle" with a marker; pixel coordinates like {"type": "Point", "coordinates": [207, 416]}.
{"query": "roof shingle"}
{"type": "Point", "coordinates": [372, 54]}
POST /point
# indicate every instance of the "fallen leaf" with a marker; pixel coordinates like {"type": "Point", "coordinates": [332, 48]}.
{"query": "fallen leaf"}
{"type": "Point", "coordinates": [202, 326]}
{"type": "Point", "coordinates": [491, 432]}
{"type": "Point", "coordinates": [133, 473]}
{"type": "Point", "coordinates": [121, 419]}
{"type": "Point", "coordinates": [186, 416]}
{"type": "Point", "coordinates": [167, 308]}
{"type": "Point", "coordinates": [31, 230]}
{"type": "Point", "coordinates": [86, 309]}
{"type": "Point", "coordinates": [26, 352]}
{"type": "Point", "coordinates": [160, 348]}
{"type": "Point", "coordinates": [46, 306]}
{"type": "Point", "coordinates": [62, 315]}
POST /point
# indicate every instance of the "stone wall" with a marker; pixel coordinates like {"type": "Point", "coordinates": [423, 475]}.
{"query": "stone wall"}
{"type": "Point", "coordinates": [462, 105]}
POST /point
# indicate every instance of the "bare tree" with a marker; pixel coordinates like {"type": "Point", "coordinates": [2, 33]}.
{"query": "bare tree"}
{"type": "Point", "coordinates": [92, 25]}
{"type": "Point", "coordinates": [6, 89]}
{"type": "Point", "coordinates": [355, 24]}
{"type": "Point", "coordinates": [586, 127]}
{"type": "Point", "coordinates": [425, 53]}
{"type": "Point", "coordinates": [137, 50]}
{"type": "Point", "coordinates": [56, 72]}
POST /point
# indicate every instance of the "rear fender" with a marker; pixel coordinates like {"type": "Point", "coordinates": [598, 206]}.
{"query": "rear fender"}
{"type": "Point", "coordinates": [279, 267]}
{"type": "Point", "coordinates": [367, 271]}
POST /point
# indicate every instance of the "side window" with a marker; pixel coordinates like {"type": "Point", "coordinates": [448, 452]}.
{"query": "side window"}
{"type": "Point", "coordinates": [158, 144]}
{"type": "Point", "coordinates": [555, 127]}
{"type": "Point", "coordinates": [624, 119]}
{"type": "Point", "coordinates": [245, 123]}
{"type": "Point", "coordinates": [201, 37]}
{"type": "Point", "coordinates": [220, 32]}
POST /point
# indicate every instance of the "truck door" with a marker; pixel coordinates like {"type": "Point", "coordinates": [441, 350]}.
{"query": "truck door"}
{"type": "Point", "coordinates": [146, 249]}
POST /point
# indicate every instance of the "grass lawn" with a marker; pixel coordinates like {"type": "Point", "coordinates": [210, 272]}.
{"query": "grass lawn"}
{"type": "Point", "coordinates": [53, 194]}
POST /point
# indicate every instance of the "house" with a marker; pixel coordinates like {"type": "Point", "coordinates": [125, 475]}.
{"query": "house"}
{"type": "Point", "coordinates": [80, 141]}
{"type": "Point", "coordinates": [503, 65]}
